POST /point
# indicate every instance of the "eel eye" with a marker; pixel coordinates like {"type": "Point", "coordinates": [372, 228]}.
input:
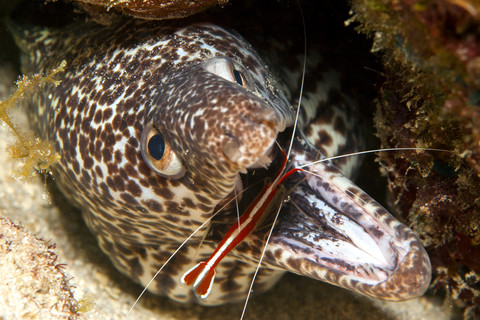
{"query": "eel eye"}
{"type": "Point", "coordinates": [159, 155]}
{"type": "Point", "coordinates": [239, 77]}
{"type": "Point", "coordinates": [229, 70]}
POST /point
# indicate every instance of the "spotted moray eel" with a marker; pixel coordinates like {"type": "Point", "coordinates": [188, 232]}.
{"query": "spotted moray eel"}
{"type": "Point", "coordinates": [206, 93]}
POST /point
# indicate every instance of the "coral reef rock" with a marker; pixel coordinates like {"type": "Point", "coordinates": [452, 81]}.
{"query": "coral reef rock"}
{"type": "Point", "coordinates": [431, 99]}
{"type": "Point", "coordinates": [152, 9]}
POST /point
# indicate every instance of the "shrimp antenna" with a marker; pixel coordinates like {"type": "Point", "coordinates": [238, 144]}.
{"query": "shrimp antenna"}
{"type": "Point", "coordinates": [297, 115]}
{"type": "Point", "coordinates": [260, 262]}
{"type": "Point", "coordinates": [168, 260]}
{"type": "Point", "coordinates": [370, 151]}
{"type": "Point", "coordinates": [178, 249]}
{"type": "Point", "coordinates": [304, 68]}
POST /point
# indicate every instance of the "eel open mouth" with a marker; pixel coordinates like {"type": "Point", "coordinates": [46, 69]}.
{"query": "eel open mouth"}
{"type": "Point", "coordinates": [332, 231]}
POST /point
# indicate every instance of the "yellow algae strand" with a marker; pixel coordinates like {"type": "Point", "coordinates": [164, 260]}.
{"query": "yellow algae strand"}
{"type": "Point", "coordinates": [37, 155]}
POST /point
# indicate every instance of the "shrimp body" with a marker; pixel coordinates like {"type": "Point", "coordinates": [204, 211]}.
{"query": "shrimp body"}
{"type": "Point", "coordinates": [202, 275]}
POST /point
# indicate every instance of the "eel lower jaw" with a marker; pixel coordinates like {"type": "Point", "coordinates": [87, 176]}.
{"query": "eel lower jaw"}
{"type": "Point", "coordinates": [315, 231]}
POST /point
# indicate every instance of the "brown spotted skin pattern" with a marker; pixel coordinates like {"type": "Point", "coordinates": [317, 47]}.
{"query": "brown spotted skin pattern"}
{"type": "Point", "coordinates": [125, 78]}
{"type": "Point", "coordinates": [145, 77]}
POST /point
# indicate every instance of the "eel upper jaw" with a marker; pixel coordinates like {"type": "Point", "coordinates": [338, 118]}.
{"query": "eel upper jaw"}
{"type": "Point", "coordinates": [332, 231]}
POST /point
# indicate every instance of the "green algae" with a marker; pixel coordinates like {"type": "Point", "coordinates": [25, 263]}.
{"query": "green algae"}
{"type": "Point", "coordinates": [85, 304]}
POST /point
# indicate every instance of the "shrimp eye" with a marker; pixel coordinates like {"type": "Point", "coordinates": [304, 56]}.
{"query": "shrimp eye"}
{"type": "Point", "coordinates": [159, 155]}
{"type": "Point", "coordinates": [229, 70]}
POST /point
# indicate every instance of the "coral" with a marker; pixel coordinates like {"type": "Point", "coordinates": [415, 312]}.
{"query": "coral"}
{"type": "Point", "coordinates": [431, 98]}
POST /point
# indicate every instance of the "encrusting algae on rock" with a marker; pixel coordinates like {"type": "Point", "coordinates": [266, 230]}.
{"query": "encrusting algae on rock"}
{"type": "Point", "coordinates": [33, 284]}
{"type": "Point", "coordinates": [431, 98]}
{"type": "Point", "coordinates": [149, 9]}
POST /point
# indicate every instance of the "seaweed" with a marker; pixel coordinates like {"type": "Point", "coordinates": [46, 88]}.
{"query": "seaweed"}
{"type": "Point", "coordinates": [36, 154]}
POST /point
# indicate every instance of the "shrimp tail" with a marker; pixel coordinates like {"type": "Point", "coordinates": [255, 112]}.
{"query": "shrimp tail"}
{"type": "Point", "coordinates": [201, 277]}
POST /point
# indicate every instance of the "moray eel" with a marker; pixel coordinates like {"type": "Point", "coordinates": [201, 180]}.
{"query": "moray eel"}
{"type": "Point", "coordinates": [160, 125]}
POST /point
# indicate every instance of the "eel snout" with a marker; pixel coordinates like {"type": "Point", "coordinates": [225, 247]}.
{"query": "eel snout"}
{"type": "Point", "coordinates": [248, 140]}
{"type": "Point", "coordinates": [218, 120]}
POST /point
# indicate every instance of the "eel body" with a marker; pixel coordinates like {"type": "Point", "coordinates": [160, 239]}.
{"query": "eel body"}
{"type": "Point", "coordinates": [161, 125]}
